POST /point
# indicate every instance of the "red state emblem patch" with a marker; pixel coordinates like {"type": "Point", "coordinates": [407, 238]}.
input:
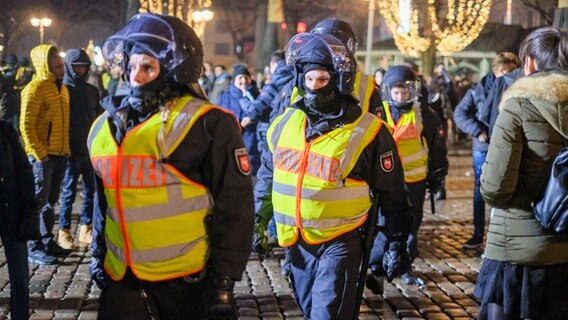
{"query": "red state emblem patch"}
{"type": "Point", "coordinates": [243, 163]}
{"type": "Point", "coordinates": [387, 162]}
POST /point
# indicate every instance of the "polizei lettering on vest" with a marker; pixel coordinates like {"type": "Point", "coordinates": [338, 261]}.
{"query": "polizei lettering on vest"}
{"type": "Point", "coordinates": [137, 171]}
{"type": "Point", "coordinates": [318, 165]}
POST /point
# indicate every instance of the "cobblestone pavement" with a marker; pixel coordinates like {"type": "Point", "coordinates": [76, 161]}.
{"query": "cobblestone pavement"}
{"type": "Point", "coordinates": [65, 291]}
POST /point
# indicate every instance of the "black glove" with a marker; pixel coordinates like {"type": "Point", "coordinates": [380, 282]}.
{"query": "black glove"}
{"type": "Point", "coordinates": [28, 227]}
{"type": "Point", "coordinates": [435, 179]}
{"type": "Point", "coordinates": [434, 185]}
{"type": "Point", "coordinates": [395, 260]}
{"type": "Point", "coordinates": [260, 243]}
{"type": "Point", "coordinates": [220, 299]}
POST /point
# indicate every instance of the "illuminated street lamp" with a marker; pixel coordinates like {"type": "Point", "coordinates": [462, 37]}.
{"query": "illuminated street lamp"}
{"type": "Point", "coordinates": [203, 15]}
{"type": "Point", "coordinates": [41, 23]}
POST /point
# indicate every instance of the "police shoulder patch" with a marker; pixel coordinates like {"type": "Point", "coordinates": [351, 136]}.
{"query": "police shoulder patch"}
{"type": "Point", "coordinates": [387, 162]}
{"type": "Point", "coordinates": [242, 159]}
{"type": "Point", "coordinates": [441, 132]}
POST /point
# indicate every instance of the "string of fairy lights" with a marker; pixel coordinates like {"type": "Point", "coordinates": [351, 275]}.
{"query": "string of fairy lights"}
{"type": "Point", "coordinates": [462, 24]}
{"type": "Point", "coordinates": [195, 13]}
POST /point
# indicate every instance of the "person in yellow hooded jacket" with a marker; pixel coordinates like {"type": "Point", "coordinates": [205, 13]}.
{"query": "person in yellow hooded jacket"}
{"type": "Point", "coordinates": [44, 126]}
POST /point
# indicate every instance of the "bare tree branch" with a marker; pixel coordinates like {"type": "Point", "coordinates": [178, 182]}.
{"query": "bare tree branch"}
{"type": "Point", "coordinates": [538, 6]}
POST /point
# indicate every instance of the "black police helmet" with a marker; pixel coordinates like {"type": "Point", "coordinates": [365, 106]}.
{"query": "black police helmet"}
{"type": "Point", "coordinates": [398, 74]}
{"type": "Point", "coordinates": [400, 77]}
{"type": "Point", "coordinates": [324, 50]}
{"type": "Point", "coordinates": [167, 38]}
{"type": "Point", "coordinates": [339, 29]}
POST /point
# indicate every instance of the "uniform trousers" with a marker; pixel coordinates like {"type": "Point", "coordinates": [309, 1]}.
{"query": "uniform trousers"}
{"type": "Point", "coordinates": [134, 299]}
{"type": "Point", "coordinates": [324, 276]}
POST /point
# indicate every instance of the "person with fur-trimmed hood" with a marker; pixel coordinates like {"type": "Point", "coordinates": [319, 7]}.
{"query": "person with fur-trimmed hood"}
{"type": "Point", "coordinates": [524, 274]}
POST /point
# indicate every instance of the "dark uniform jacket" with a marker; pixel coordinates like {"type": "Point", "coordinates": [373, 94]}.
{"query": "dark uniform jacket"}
{"type": "Point", "coordinates": [387, 184]}
{"type": "Point", "coordinates": [207, 156]}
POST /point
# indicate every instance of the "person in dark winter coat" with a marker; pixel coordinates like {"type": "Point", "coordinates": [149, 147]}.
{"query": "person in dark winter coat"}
{"type": "Point", "coordinates": [84, 107]}
{"type": "Point", "coordinates": [467, 117]}
{"type": "Point", "coordinates": [221, 84]}
{"type": "Point", "coordinates": [243, 87]}
{"type": "Point", "coordinates": [524, 273]}
{"type": "Point", "coordinates": [261, 107]}
{"type": "Point", "coordinates": [19, 219]}
{"type": "Point", "coordinates": [490, 109]}
{"type": "Point", "coordinates": [174, 216]}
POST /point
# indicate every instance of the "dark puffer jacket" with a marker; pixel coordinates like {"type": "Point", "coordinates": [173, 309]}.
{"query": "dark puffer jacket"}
{"type": "Point", "coordinates": [529, 132]}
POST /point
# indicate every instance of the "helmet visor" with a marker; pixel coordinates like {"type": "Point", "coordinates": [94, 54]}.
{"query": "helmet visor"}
{"type": "Point", "coordinates": [299, 51]}
{"type": "Point", "coordinates": [401, 93]}
{"type": "Point", "coordinates": [151, 34]}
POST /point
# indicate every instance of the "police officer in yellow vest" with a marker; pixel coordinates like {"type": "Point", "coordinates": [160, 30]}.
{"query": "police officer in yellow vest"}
{"type": "Point", "coordinates": [174, 216]}
{"type": "Point", "coordinates": [325, 157]}
{"type": "Point", "coordinates": [419, 136]}
{"type": "Point", "coordinates": [364, 87]}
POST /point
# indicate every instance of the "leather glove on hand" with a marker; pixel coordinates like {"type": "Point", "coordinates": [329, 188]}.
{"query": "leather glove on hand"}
{"type": "Point", "coordinates": [434, 185]}
{"type": "Point", "coordinates": [395, 260]}
{"type": "Point", "coordinates": [220, 299]}
{"type": "Point", "coordinates": [260, 240]}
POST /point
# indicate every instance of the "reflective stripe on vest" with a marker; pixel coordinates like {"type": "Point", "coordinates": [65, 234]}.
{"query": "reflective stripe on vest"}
{"type": "Point", "coordinates": [412, 147]}
{"type": "Point", "coordinates": [311, 192]}
{"type": "Point", "coordinates": [155, 219]}
{"type": "Point", "coordinates": [364, 87]}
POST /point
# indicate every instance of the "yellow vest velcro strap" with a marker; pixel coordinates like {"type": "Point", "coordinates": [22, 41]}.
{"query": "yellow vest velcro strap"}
{"type": "Point", "coordinates": [319, 223]}
{"type": "Point", "coordinates": [413, 157]}
{"type": "Point", "coordinates": [156, 254]}
{"type": "Point", "coordinates": [323, 194]}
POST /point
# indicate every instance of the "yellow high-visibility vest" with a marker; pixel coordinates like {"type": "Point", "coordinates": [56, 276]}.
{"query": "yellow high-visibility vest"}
{"type": "Point", "coordinates": [311, 193]}
{"type": "Point", "coordinates": [156, 217]}
{"type": "Point", "coordinates": [362, 90]}
{"type": "Point", "coordinates": [411, 145]}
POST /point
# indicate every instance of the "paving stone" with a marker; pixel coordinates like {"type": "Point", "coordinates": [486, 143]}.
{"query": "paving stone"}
{"type": "Point", "coordinates": [456, 313]}
{"type": "Point", "coordinates": [437, 316]}
{"type": "Point", "coordinates": [449, 273]}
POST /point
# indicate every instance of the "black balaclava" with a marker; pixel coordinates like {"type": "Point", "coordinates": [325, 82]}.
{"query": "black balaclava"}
{"type": "Point", "coordinates": [322, 100]}
{"type": "Point", "coordinates": [148, 97]}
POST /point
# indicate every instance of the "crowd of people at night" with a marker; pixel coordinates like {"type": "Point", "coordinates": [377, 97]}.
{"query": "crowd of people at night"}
{"type": "Point", "coordinates": [186, 168]}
